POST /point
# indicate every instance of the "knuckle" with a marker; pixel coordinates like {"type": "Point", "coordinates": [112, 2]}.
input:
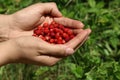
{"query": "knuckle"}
{"type": "Point", "coordinates": [38, 4]}
{"type": "Point", "coordinates": [53, 3]}
{"type": "Point", "coordinates": [52, 63]}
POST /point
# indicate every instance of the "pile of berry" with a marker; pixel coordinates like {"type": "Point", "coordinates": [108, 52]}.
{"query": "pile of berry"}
{"type": "Point", "coordinates": [54, 33]}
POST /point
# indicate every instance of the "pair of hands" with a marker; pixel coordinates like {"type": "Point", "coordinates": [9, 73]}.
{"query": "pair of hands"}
{"type": "Point", "coordinates": [21, 47]}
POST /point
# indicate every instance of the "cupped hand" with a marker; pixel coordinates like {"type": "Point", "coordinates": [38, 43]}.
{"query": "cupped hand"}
{"type": "Point", "coordinates": [33, 50]}
{"type": "Point", "coordinates": [26, 20]}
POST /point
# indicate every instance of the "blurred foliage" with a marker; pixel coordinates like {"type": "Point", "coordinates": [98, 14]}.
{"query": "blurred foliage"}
{"type": "Point", "coordinates": [97, 59]}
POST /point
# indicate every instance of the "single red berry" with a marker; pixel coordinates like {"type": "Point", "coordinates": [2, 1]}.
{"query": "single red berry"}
{"type": "Point", "coordinates": [67, 39]}
{"type": "Point", "coordinates": [59, 38]}
{"type": "Point", "coordinates": [46, 31]}
{"type": "Point", "coordinates": [53, 22]}
{"type": "Point", "coordinates": [61, 32]}
{"type": "Point", "coordinates": [52, 34]}
{"type": "Point", "coordinates": [52, 41]}
{"type": "Point", "coordinates": [55, 41]}
{"type": "Point", "coordinates": [61, 26]}
{"type": "Point", "coordinates": [47, 38]}
{"type": "Point", "coordinates": [56, 30]}
{"type": "Point", "coordinates": [45, 25]}
{"type": "Point", "coordinates": [63, 41]}
{"type": "Point", "coordinates": [66, 30]}
{"type": "Point", "coordinates": [37, 32]}
{"type": "Point", "coordinates": [70, 32]}
{"type": "Point", "coordinates": [59, 42]}
{"type": "Point", "coordinates": [51, 26]}
{"type": "Point", "coordinates": [39, 27]}
{"type": "Point", "coordinates": [57, 35]}
{"type": "Point", "coordinates": [48, 34]}
{"type": "Point", "coordinates": [42, 37]}
{"type": "Point", "coordinates": [56, 25]}
{"type": "Point", "coordinates": [35, 35]}
{"type": "Point", "coordinates": [51, 30]}
{"type": "Point", "coordinates": [65, 35]}
{"type": "Point", "coordinates": [72, 36]}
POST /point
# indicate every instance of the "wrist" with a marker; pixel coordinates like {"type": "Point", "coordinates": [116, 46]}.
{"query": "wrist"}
{"type": "Point", "coordinates": [8, 52]}
{"type": "Point", "coordinates": [5, 23]}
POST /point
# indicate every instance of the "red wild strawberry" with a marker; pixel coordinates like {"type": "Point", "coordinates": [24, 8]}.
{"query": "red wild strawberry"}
{"type": "Point", "coordinates": [65, 29]}
{"type": "Point", "coordinates": [59, 42]}
{"type": "Point", "coordinates": [61, 26]}
{"type": "Point", "coordinates": [37, 32]}
{"type": "Point", "coordinates": [70, 32]}
{"type": "Point", "coordinates": [45, 25]}
{"type": "Point", "coordinates": [51, 26]}
{"type": "Point", "coordinates": [53, 22]}
{"type": "Point", "coordinates": [65, 35]}
{"type": "Point", "coordinates": [72, 36]}
{"type": "Point", "coordinates": [59, 38]}
{"type": "Point", "coordinates": [42, 37]}
{"type": "Point", "coordinates": [57, 35]}
{"type": "Point", "coordinates": [54, 33]}
{"type": "Point", "coordinates": [47, 38]}
{"type": "Point", "coordinates": [51, 30]}
{"type": "Point", "coordinates": [67, 39]}
{"type": "Point", "coordinates": [63, 41]}
{"type": "Point", "coordinates": [46, 30]}
{"type": "Point", "coordinates": [52, 40]}
{"type": "Point", "coordinates": [35, 35]}
{"type": "Point", "coordinates": [39, 27]}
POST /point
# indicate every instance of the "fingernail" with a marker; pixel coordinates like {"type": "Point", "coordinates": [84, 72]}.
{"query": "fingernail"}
{"type": "Point", "coordinates": [82, 24]}
{"type": "Point", "coordinates": [89, 31]}
{"type": "Point", "coordinates": [69, 51]}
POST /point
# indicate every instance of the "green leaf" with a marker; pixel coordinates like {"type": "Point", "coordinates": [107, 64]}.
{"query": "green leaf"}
{"type": "Point", "coordinates": [93, 10]}
{"type": "Point", "coordinates": [88, 76]}
{"type": "Point", "coordinates": [1, 70]}
{"type": "Point", "coordinates": [92, 3]}
{"type": "Point", "coordinates": [100, 5]}
{"type": "Point", "coordinates": [114, 41]}
{"type": "Point", "coordinates": [2, 10]}
{"type": "Point", "coordinates": [117, 74]}
{"type": "Point", "coordinates": [76, 70]}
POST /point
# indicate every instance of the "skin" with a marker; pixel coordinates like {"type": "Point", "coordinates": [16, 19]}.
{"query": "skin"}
{"type": "Point", "coordinates": [18, 46]}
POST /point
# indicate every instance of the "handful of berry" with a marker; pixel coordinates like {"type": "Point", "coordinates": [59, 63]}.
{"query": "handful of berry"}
{"type": "Point", "coordinates": [54, 33]}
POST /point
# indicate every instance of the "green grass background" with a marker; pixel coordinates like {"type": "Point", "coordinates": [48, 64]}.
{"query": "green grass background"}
{"type": "Point", "coordinates": [97, 59]}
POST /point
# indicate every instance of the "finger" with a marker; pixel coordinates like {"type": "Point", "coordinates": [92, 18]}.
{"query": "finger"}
{"type": "Point", "coordinates": [81, 43]}
{"type": "Point", "coordinates": [83, 40]}
{"type": "Point", "coordinates": [15, 34]}
{"type": "Point", "coordinates": [40, 21]}
{"type": "Point", "coordinates": [45, 48]}
{"type": "Point", "coordinates": [46, 60]}
{"type": "Point", "coordinates": [51, 8]}
{"type": "Point", "coordinates": [77, 31]}
{"type": "Point", "coordinates": [69, 22]}
{"type": "Point", "coordinates": [57, 50]}
{"type": "Point", "coordinates": [78, 39]}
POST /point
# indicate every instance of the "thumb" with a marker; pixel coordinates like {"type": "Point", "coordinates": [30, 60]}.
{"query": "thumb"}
{"type": "Point", "coordinates": [59, 50]}
{"type": "Point", "coordinates": [50, 9]}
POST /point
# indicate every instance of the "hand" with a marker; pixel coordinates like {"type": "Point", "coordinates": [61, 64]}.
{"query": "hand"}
{"type": "Point", "coordinates": [21, 26]}
{"type": "Point", "coordinates": [4, 27]}
{"type": "Point", "coordinates": [26, 20]}
{"type": "Point", "coordinates": [23, 22]}
{"type": "Point", "coordinates": [33, 50]}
